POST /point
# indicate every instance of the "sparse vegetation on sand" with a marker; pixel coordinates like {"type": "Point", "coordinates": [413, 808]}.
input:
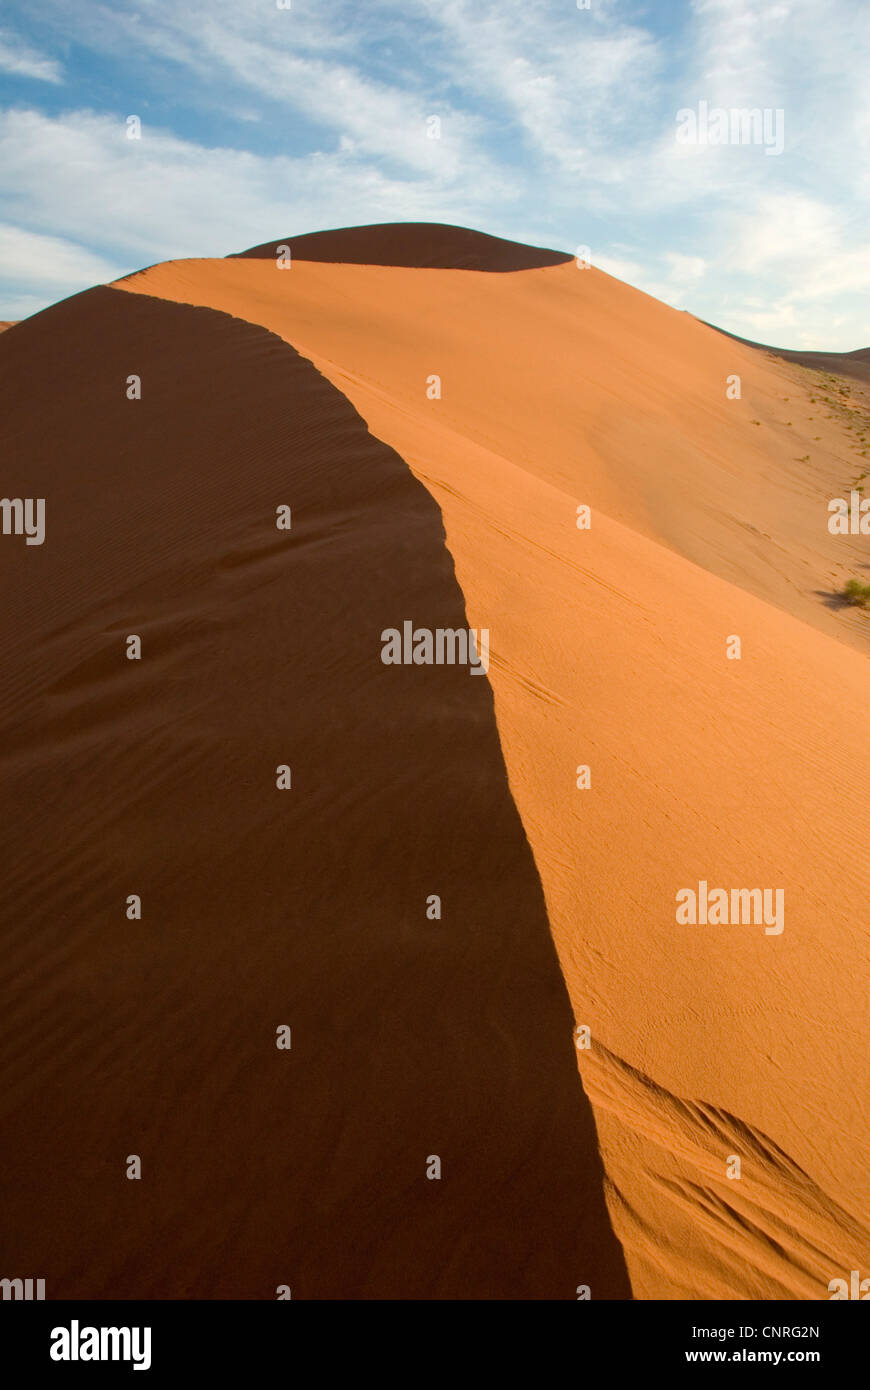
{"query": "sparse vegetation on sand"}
{"type": "Point", "coordinates": [857, 592]}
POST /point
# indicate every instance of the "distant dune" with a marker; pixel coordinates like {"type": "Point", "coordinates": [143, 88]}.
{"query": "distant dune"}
{"type": "Point", "coordinates": [423, 245]}
{"type": "Point", "coordinates": [845, 364]}
{"type": "Point", "coordinates": [435, 428]}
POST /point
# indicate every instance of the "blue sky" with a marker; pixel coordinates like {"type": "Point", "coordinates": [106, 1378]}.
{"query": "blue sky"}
{"type": "Point", "coordinates": [558, 127]}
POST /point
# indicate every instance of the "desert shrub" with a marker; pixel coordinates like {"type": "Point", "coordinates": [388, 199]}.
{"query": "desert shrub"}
{"type": "Point", "coordinates": [857, 593]}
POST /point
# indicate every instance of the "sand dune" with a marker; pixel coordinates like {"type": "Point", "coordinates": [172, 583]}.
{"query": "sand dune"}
{"type": "Point", "coordinates": [562, 387]}
{"type": "Point", "coordinates": [843, 364]}
{"type": "Point", "coordinates": [410, 1038]}
{"type": "Point", "coordinates": [418, 244]}
{"type": "Point", "coordinates": [595, 389]}
{"type": "Point", "coordinates": [556, 387]}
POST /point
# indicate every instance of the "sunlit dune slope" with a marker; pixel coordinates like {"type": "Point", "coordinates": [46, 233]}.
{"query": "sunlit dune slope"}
{"type": "Point", "coordinates": [591, 386]}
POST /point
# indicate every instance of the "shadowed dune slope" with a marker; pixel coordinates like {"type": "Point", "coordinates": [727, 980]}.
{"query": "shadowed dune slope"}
{"type": "Point", "coordinates": [609, 650]}
{"type": "Point", "coordinates": [418, 244]}
{"type": "Point", "coordinates": [260, 908]}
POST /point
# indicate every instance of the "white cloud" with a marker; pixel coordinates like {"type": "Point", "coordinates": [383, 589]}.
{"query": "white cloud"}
{"type": "Point", "coordinates": [685, 269]}
{"type": "Point", "coordinates": [49, 259]}
{"type": "Point", "coordinates": [302, 60]}
{"type": "Point", "coordinates": [632, 272]}
{"type": "Point", "coordinates": [570, 81]}
{"type": "Point", "coordinates": [37, 269]}
{"type": "Point", "coordinates": [160, 197]}
{"type": "Point", "coordinates": [21, 60]}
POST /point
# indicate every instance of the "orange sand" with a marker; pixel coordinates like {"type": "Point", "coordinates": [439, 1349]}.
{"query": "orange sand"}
{"type": "Point", "coordinates": [559, 388]}
{"type": "Point", "coordinates": [562, 387]}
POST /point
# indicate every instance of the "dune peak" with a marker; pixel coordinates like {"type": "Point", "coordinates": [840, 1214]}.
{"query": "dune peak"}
{"type": "Point", "coordinates": [424, 245]}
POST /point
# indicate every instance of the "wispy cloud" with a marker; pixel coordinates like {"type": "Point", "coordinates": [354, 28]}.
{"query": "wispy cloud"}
{"type": "Point", "coordinates": [159, 196]}
{"type": "Point", "coordinates": [20, 60]}
{"type": "Point", "coordinates": [33, 265]}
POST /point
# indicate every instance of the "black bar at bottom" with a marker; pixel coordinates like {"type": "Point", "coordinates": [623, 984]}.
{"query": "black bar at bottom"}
{"type": "Point", "coordinates": [217, 1339]}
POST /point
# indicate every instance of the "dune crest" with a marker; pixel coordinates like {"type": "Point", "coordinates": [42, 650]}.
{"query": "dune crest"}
{"type": "Point", "coordinates": [422, 245]}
